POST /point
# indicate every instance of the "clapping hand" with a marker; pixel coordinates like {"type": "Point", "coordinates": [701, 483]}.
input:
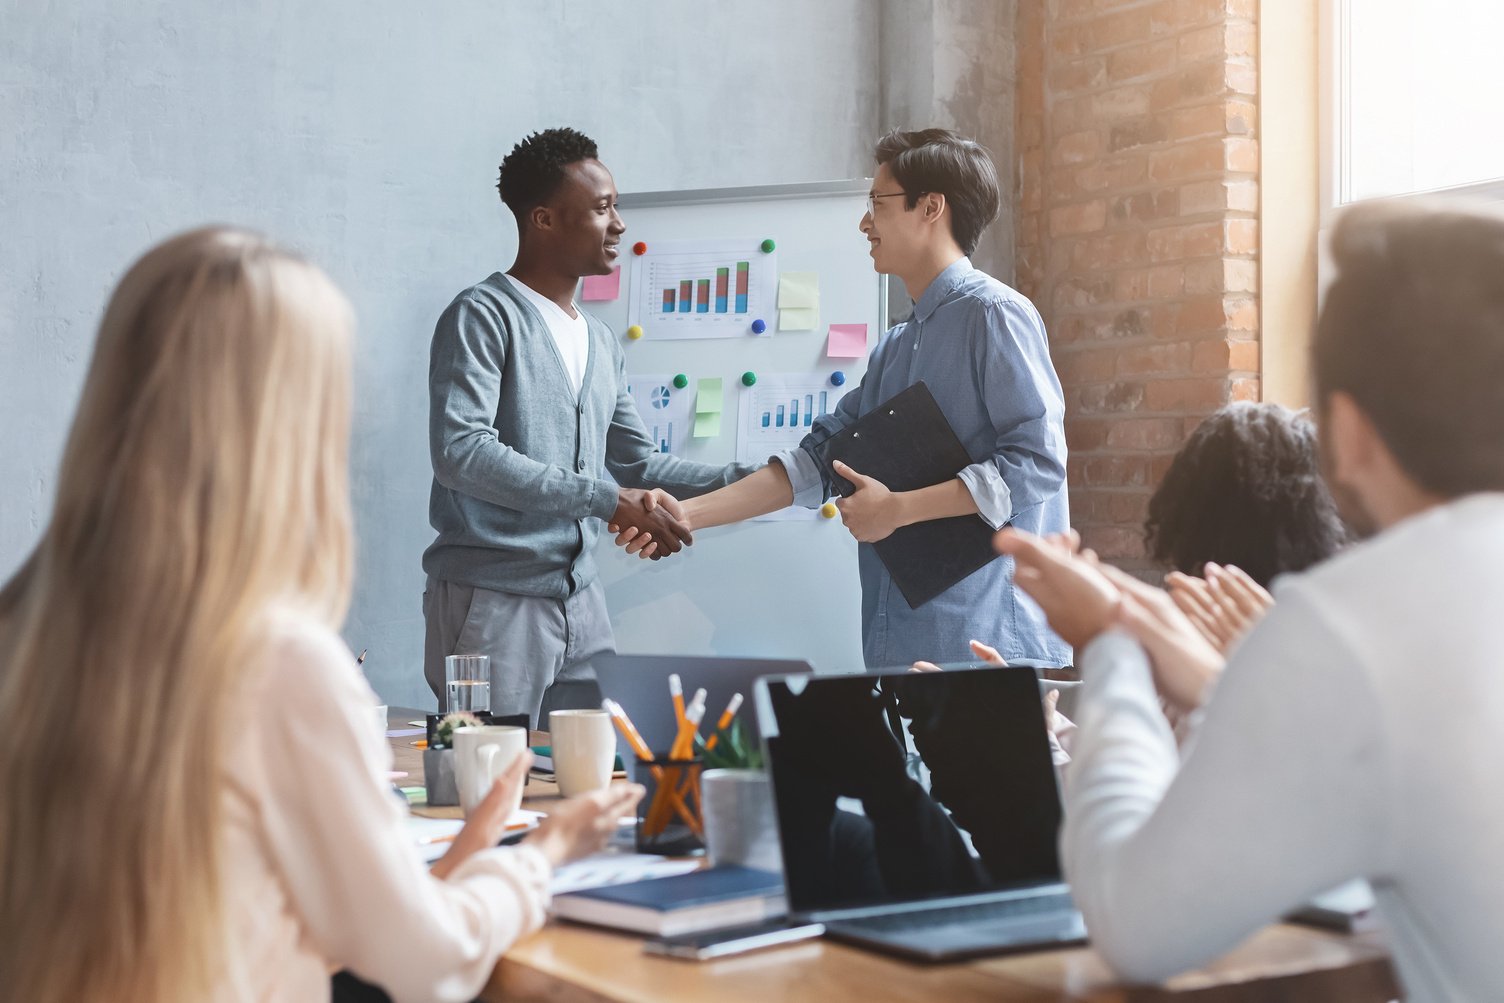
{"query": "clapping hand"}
{"type": "Point", "coordinates": [650, 524]}
{"type": "Point", "coordinates": [488, 822]}
{"type": "Point", "coordinates": [578, 827]}
{"type": "Point", "coordinates": [1223, 606]}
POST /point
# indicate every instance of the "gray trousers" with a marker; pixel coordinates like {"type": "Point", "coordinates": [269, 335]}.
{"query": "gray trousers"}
{"type": "Point", "coordinates": [540, 648]}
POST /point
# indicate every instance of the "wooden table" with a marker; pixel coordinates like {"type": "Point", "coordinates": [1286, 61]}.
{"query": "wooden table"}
{"type": "Point", "coordinates": [563, 963]}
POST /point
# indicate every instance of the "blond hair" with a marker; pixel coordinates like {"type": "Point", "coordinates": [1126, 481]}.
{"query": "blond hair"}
{"type": "Point", "coordinates": [204, 479]}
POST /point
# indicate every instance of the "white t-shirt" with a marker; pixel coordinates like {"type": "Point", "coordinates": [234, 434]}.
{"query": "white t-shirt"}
{"type": "Point", "coordinates": [1279, 798]}
{"type": "Point", "coordinates": [319, 870]}
{"type": "Point", "coordinates": [571, 336]}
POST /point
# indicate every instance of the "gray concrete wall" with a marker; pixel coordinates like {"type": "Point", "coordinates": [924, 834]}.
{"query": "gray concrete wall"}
{"type": "Point", "coordinates": [951, 63]}
{"type": "Point", "coordinates": [367, 135]}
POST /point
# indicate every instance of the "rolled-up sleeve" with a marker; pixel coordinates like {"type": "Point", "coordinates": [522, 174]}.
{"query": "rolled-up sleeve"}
{"type": "Point", "coordinates": [807, 476]}
{"type": "Point", "coordinates": [1023, 400]}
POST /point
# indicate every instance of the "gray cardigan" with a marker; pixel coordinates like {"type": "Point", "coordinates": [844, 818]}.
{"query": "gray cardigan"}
{"type": "Point", "coordinates": [525, 472]}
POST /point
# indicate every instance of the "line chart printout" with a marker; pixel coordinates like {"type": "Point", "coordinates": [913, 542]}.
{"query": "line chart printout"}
{"type": "Point", "coordinates": [685, 289]}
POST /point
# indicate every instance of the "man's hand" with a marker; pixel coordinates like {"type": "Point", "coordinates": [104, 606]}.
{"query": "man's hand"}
{"type": "Point", "coordinates": [649, 523]}
{"type": "Point", "coordinates": [871, 512]}
{"type": "Point", "coordinates": [1076, 597]}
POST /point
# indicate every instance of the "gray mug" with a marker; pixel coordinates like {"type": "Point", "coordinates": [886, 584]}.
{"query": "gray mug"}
{"type": "Point", "coordinates": [740, 824]}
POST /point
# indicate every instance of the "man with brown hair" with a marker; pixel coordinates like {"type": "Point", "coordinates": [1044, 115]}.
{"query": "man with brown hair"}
{"type": "Point", "coordinates": [1279, 798]}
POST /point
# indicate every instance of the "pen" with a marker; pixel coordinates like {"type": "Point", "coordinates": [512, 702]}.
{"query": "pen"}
{"type": "Point", "coordinates": [361, 658]}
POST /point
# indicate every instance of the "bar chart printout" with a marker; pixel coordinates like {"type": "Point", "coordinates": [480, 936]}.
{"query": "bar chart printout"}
{"type": "Point", "coordinates": [703, 288]}
{"type": "Point", "coordinates": [778, 412]}
{"type": "Point", "coordinates": [665, 410]}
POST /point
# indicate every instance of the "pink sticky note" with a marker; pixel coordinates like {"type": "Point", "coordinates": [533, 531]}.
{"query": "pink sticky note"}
{"type": "Point", "coordinates": [602, 287]}
{"type": "Point", "coordinates": [847, 341]}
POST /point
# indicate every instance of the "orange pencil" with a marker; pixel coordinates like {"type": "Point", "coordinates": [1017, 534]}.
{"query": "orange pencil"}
{"type": "Point", "coordinates": [725, 721]}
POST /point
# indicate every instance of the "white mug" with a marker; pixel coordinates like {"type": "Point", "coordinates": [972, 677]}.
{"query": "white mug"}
{"type": "Point", "coordinates": [481, 754]}
{"type": "Point", "coordinates": [584, 750]}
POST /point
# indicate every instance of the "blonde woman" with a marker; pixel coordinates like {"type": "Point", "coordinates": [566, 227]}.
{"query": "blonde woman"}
{"type": "Point", "coordinates": [195, 804]}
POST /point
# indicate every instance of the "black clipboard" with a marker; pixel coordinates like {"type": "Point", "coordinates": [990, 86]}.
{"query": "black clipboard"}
{"type": "Point", "coordinates": [907, 444]}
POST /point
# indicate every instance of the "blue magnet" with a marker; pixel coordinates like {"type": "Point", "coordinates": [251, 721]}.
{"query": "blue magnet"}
{"type": "Point", "coordinates": [759, 326]}
{"type": "Point", "coordinates": [837, 378]}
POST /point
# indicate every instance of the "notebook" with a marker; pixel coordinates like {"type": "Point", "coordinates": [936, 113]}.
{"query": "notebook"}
{"type": "Point", "coordinates": [935, 842]}
{"type": "Point", "coordinates": [907, 444]}
{"type": "Point", "coordinates": [702, 900]}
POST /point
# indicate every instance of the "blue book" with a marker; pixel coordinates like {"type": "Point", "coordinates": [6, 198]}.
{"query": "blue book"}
{"type": "Point", "coordinates": [686, 903]}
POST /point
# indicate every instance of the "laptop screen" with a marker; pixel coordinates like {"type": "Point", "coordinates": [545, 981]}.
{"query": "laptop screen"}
{"type": "Point", "coordinates": [961, 799]}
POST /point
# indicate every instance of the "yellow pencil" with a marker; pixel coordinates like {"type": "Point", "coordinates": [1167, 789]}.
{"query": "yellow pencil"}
{"type": "Point", "coordinates": [725, 721]}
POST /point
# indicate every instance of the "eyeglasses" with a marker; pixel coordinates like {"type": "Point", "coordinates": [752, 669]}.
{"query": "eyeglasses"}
{"type": "Point", "coordinates": [872, 200]}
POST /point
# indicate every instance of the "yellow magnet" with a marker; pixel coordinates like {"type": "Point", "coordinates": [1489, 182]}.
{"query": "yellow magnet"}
{"type": "Point", "coordinates": [828, 510]}
{"type": "Point", "coordinates": [634, 332]}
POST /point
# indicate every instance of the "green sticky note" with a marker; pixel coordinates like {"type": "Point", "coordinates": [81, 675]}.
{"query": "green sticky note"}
{"type": "Point", "coordinates": [708, 396]}
{"type": "Point", "coordinates": [799, 290]}
{"type": "Point", "coordinates": [800, 319]}
{"type": "Point", "coordinates": [707, 424]}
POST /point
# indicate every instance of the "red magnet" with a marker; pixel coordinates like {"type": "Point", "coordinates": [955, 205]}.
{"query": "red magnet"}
{"type": "Point", "coordinates": [640, 248]}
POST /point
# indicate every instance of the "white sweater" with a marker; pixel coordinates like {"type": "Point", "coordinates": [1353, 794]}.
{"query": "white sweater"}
{"type": "Point", "coordinates": [1278, 798]}
{"type": "Point", "coordinates": [320, 873]}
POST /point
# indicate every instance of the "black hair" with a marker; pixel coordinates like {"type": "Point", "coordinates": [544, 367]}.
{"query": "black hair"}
{"type": "Point", "coordinates": [534, 169]}
{"type": "Point", "coordinates": [949, 164]}
{"type": "Point", "coordinates": [1245, 489]}
{"type": "Point", "coordinates": [1413, 330]}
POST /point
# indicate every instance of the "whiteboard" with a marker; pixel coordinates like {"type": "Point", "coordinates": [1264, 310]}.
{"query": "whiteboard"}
{"type": "Point", "coordinates": [772, 589]}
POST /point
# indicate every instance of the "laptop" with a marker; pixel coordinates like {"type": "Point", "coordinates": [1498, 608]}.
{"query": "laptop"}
{"type": "Point", "coordinates": [934, 843]}
{"type": "Point", "coordinates": [640, 684]}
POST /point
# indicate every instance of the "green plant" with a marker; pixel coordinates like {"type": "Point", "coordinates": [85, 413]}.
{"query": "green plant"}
{"type": "Point", "coordinates": [443, 732]}
{"type": "Point", "coordinates": [733, 750]}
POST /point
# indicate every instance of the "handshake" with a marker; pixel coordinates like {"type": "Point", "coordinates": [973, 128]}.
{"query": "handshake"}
{"type": "Point", "coordinates": [649, 523]}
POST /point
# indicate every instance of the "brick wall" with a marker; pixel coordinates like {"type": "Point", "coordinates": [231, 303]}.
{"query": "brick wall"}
{"type": "Point", "coordinates": [1138, 232]}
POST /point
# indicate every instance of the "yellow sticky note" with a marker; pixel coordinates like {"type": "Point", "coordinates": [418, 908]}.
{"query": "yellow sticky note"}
{"type": "Point", "coordinates": [799, 290]}
{"type": "Point", "coordinates": [798, 320]}
{"type": "Point", "coordinates": [708, 396]}
{"type": "Point", "coordinates": [707, 424]}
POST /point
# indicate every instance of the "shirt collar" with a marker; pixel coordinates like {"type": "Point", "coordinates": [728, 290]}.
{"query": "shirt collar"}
{"type": "Point", "coordinates": [942, 287]}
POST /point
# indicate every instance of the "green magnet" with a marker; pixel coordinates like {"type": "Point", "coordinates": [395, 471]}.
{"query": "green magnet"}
{"type": "Point", "coordinates": [681, 381]}
{"type": "Point", "coordinates": [768, 245]}
{"type": "Point", "coordinates": [748, 378]}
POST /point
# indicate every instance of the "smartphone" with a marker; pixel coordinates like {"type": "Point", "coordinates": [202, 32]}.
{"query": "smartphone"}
{"type": "Point", "coordinates": [723, 943]}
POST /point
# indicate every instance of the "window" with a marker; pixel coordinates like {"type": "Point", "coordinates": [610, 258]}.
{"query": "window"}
{"type": "Point", "coordinates": [1411, 98]}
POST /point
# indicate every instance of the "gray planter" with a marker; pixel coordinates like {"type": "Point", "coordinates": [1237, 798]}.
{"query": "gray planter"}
{"type": "Point", "coordinates": [740, 824]}
{"type": "Point", "coordinates": [438, 776]}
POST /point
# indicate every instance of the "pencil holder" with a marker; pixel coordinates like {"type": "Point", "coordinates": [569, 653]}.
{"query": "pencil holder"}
{"type": "Point", "coordinates": [671, 821]}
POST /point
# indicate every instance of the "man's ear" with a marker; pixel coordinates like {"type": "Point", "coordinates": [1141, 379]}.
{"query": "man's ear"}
{"type": "Point", "coordinates": [934, 206]}
{"type": "Point", "coordinates": [541, 217]}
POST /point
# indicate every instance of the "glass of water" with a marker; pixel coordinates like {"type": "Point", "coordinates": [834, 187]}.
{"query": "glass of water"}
{"type": "Point", "coordinates": [467, 683]}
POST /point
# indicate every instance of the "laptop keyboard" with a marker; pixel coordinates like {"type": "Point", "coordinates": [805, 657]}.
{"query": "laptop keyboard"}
{"type": "Point", "coordinates": [963, 915]}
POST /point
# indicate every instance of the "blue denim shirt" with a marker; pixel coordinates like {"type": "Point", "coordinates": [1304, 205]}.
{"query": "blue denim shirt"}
{"type": "Point", "coordinates": [981, 348]}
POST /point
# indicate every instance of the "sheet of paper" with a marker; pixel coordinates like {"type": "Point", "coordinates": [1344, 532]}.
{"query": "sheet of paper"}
{"type": "Point", "coordinates": [703, 288]}
{"type": "Point", "coordinates": [602, 287]}
{"type": "Point", "coordinates": [776, 414]}
{"type": "Point", "coordinates": [800, 319]}
{"type": "Point", "coordinates": [707, 424]}
{"type": "Point", "coordinates": [666, 411]}
{"type": "Point", "coordinates": [799, 290]}
{"type": "Point", "coordinates": [615, 869]}
{"type": "Point", "coordinates": [847, 341]}
{"type": "Point", "coordinates": [708, 396]}
{"type": "Point", "coordinates": [405, 732]}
